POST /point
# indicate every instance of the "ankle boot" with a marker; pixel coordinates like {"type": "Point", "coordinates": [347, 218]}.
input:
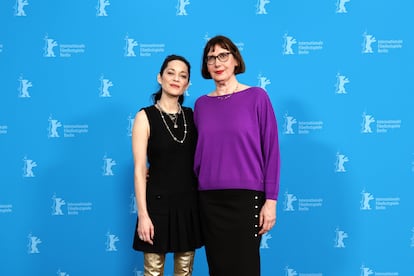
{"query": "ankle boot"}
{"type": "Point", "coordinates": [154, 264]}
{"type": "Point", "coordinates": [183, 263]}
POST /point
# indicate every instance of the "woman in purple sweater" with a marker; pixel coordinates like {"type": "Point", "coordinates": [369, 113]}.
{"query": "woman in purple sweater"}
{"type": "Point", "coordinates": [237, 163]}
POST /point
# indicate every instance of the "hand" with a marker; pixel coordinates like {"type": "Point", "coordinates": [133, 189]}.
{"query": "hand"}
{"type": "Point", "coordinates": [267, 217]}
{"type": "Point", "coordinates": [145, 229]}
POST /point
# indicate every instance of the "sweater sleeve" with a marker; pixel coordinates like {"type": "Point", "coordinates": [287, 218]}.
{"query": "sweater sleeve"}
{"type": "Point", "coordinates": [270, 146]}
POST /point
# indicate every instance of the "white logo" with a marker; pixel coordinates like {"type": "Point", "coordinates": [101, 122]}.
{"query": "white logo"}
{"type": "Point", "coordinates": [3, 130]}
{"type": "Point", "coordinates": [57, 204]}
{"type": "Point", "coordinates": [288, 125]}
{"type": "Point", "coordinates": [19, 7]}
{"type": "Point", "coordinates": [340, 161]}
{"type": "Point", "coordinates": [289, 199]}
{"type": "Point", "coordinates": [186, 93]}
{"type": "Point", "coordinates": [100, 8]}
{"type": "Point", "coordinates": [304, 127]}
{"type": "Point", "coordinates": [303, 47]}
{"type": "Point", "coordinates": [367, 120]}
{"type": "Point", "coordinates": [72, 208]}
{"type": "Point", "coordinates": [263, 81]}
{"type": "Point", "coordinates": [50, 43]}
{"type": "Point", "coordinates": [365, 201]}
{"type": "Point", "coordinates": [53, 127]}
{"type": "Point", "coordinates": [412, 163]}
{"type": "Point", "coordinates": [340, 6]}
{"type": "Point", "coordinates": [138, 272]}
{"type": "Point", "coordinates": [287, 46]}
{"type": "Point", "coordinates": [107, 166]}
{"type": "Point", "coordinates": [260, 6]}
{"type": "Point", "coordinates": [366, 271]}
{"type": "Point", "coordinates": [383, 46]}
{"type": "Point", "coordinates": [111, 239]}
{"type": "Point", "coordinates": [104, 88]}
{"type": "Point", "coordinates": [6, 208]}
{"type": "Point", "coordinates": [61, 273]}
{"type": "Point", "coordinates": [64, 50]}
{"type": "Point", "coordinates": [303, 205]}
{"type": "Point", "coordinates": [339, 239]}
{"type": "Point", "coordinates": [28, 167]}
{"type": "Point", "coordinates": [130, 124]}
{"type": "Point", "coordinates": [207, 37]}
{"type": "Point", "coordinates": [24, 86]}
{"type": "Point", "coordinates": [381, 203]}
{"type": "Point", "coordinates": [133, 204]}
{"type": "Point", "coordinates": [265, 238]}
{"type": "Point", "coordinates": [340, 84]}
{"type": "Point", "coordinates": [290, 272]}
{"type": "Point", "coordinates": [32, 245]}
{"type": "Point", "coordinates": [381, 126]}
{"type": "Point", "coordinates": [412, 238]}
{"type": "Point", "coordinates": [69, 130]}
{"type": "Point", "coordinates": [181, 7]}
{"type": "Point", "coordinates": [129, 46]}
{"type": "Point", "coordinates": [367, 44]}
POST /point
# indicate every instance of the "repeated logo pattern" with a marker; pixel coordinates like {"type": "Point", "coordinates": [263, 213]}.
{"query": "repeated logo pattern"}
{"type": "Point", "coordinates": [74, 75]}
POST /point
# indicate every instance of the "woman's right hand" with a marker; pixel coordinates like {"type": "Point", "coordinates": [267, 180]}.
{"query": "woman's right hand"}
{"type": "Point", "coordinates": [145, 229]}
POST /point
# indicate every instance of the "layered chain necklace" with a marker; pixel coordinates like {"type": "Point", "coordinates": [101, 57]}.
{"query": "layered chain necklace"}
{"type": "Point", "coordinates": [174, 120]}
{"type": "Point", "coordinates": [225, 97]}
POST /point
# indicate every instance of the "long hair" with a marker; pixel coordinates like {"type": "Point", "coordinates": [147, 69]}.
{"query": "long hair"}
{"type": "Point", "coordinates": [157, 95]}
{"type": "Point", "coordinates": [227, 44]}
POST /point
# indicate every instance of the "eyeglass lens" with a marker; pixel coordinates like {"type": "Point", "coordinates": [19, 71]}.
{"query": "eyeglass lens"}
{"type": "Point", "coordinates": [222, 57]}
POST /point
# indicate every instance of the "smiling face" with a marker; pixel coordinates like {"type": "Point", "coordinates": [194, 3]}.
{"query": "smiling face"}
{"type": "Point", "coordinates": [174, 80]}
{"type": "Point", "coordinates": [220, 63]}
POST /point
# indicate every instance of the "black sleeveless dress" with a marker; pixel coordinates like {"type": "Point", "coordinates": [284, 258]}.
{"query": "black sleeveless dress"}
{"type": "Point", "coordinates": [172, 197]}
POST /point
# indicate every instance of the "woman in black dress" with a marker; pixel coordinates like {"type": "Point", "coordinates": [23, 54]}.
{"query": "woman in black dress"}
{"type": "Point", "coordinates": [163, 144]}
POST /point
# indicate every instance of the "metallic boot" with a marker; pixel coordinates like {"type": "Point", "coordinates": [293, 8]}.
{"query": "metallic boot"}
{"type": "Point", "coordinates": [183, 263]}
{"type": "Point", "coordinates": [154, 264]}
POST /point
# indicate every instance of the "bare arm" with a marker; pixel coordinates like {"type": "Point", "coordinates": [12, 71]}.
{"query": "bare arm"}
{"type": "Point", "coordinates": [140, 134]}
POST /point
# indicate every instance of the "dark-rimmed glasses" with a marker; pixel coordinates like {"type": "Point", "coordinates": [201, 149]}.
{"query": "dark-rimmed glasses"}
{"type": "Point", "coordinates": [222, 57]}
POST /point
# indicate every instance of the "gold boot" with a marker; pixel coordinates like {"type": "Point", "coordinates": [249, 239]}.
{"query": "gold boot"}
{"type": "Point", "coordinates": [183, 263]}
{"type": "Point", "coordinates": [154, 264]}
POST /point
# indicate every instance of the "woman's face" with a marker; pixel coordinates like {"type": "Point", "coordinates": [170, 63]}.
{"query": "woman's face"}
{"type": "Point", "coordinates": [174, 79]}
{"type": "Point", "coordinates": [220, 63]}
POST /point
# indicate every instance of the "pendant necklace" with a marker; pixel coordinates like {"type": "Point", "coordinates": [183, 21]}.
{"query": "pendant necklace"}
{"type": "Point", "coordinates": [174, 119]}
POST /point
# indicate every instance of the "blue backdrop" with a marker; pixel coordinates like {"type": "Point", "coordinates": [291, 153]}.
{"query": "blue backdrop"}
{"type": "Point", "coordinates": [73, 73]}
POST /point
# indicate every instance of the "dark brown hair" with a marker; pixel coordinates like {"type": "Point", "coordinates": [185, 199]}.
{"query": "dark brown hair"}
{"type": "Point", "coordinates": [157, 95]}
{"type": "Point", "coordinates": [227, 44]}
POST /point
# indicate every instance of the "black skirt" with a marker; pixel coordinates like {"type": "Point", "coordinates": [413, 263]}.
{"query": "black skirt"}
{"type": "Point", "coordinates": [177, 225]}
{"type": "Point", "coordinates": [230, 224]}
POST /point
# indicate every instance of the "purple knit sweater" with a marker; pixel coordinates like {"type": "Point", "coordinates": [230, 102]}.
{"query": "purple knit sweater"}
{"type": "Point", "coordinates": [237, 144]}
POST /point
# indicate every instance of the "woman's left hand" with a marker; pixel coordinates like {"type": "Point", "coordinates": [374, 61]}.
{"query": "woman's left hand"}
{"type": "Point", "coordinates": [267, 218]}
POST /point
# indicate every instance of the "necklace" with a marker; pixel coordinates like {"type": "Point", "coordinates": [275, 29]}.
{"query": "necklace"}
{"type": "Point", "coordinates": [158, 106]}
{"type": "Point", "coordinates": [225, 97]}
{"type": "Point", "coordinates": [174, 118]}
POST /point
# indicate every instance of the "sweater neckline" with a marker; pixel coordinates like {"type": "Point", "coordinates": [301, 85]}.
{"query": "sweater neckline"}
{"type": "Point", "coordinates": [223, 97]}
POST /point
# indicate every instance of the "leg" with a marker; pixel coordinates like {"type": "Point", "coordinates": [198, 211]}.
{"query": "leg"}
{"type": "Point", "coordinates": [154, 264]}
{"type": "Point", "coordinates": [183, 263]}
